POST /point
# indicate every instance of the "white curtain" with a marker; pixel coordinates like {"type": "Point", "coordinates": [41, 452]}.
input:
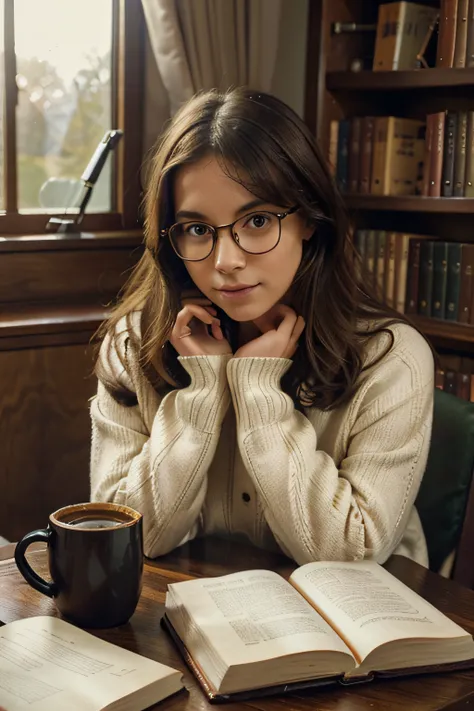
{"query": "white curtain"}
{"type": "Point", "coordinates": [204, 44]}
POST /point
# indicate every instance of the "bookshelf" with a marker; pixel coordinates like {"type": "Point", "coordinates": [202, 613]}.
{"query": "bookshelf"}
{"type": "Point", "coordinates": [334, 92]}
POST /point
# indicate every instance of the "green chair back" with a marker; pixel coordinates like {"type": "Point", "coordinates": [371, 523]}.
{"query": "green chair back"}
{"type": "Point", "coordinates": [444, 491]}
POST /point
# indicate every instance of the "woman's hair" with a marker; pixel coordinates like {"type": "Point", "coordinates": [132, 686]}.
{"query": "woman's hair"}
{"type": "Point", "coordinates": [263, 145]}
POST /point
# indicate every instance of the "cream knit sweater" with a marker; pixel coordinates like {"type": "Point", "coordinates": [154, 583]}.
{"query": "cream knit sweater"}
{"type": "Point", "coordinates": [229, 455]}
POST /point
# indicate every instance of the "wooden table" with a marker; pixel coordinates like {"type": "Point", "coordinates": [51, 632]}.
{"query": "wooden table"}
{"type": "Point", "coordinates": [210, 557]}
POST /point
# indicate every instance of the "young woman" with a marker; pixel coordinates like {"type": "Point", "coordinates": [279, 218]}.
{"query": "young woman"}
{"type": "Point", "coordinates": [249, 384]}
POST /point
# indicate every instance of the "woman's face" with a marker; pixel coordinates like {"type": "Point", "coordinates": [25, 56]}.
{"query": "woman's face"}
{"type": "Point", "coordinates": [244, 285]}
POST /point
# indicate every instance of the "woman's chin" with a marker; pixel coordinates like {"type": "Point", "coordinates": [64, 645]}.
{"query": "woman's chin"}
{"type": "Point", "coordinates": [244, 312]}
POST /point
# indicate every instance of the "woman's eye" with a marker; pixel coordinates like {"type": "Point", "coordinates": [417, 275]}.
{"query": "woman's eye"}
{"type": "Point", "coordinates": [258, 221]}
{"type": "Point", "coordinates": [197, 230]}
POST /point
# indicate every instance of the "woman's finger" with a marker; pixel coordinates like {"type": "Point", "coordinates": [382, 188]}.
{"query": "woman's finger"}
{"type": "Point", "coordinates": [216, 330]}
{"type": "Point", "coordinates": [189, 312]}
{"type": "Point", "coordinates": [288, 323]}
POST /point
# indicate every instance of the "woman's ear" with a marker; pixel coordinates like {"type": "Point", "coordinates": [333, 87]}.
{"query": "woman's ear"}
{"type": "Point", "coordinates": [308, 229]}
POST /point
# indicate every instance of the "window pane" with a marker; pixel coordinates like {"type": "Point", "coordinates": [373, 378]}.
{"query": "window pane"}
{"type": "Point", "coordinates": [64, 53]}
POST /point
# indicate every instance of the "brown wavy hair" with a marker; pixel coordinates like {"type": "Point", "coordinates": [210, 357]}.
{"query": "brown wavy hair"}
{"type": "Point", "coordinates": [261, 143]}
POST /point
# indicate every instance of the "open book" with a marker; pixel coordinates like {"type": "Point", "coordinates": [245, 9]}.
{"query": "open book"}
{"type": "Point", "coordinates": [47, 664]}
{"type": "Point", "coordinates": [331, 622]}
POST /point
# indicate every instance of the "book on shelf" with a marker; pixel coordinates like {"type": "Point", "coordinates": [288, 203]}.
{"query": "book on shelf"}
{"type": "Point", "coordinates": [417, 274]}
{"type": "Point", "coordinates": [455, 375]}
{"type": "Point", "coordinates": [50, 665]}
{"type": "Point", "coordinates": [447, 33]}
{"type": "Point", "coordinates": [401, 29]}
{"type": "Point", "coordinates": [470, 35]}
{"type": "Point", "coordinates": [387, 155]}
{"type": "Point", "coordinates": [254, 633]}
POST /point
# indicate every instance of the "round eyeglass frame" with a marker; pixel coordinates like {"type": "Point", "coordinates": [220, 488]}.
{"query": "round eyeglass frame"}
{"type": "Point", "coordinates": [165, 232]}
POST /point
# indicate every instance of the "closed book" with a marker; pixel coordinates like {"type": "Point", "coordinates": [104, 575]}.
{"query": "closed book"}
{"type": "Point", "coordinates": [398, 154]}
{"type": "Point", "coordinates": [333, 141]}
{"type": "Point", "coordinates": [436, 165]}
{"type": "Point", "coordinates": [460, 155]}
{"type": "Point", "coordinates": [425, 285]}
{"type": "Point", "coordinates": [469, 174]}
{"type": "Point", "coordinates": [472, 388]}
{"type": "Point", "coordinates": [465, 293]}
{"type": "Point", "coordinates": [470, 35]}
{"type": "Point", "coordinates": [413, 277]}
{"type": "Point", "coordinates": [450, 128]}
{"type": "Point", "coordinates": [463, 385]}
{"type": "Point", "coordinates": [389, 270]}
{"type": "Point", "coordinates": [460, 45]}
{"type": "Point", "coordinates": [440, 272]}
{"type": "Point", "coordinates": [342, 161]}
{"type": "Point", "coordinates": [450, 382]}
{"type": "Point", "coordinates": [401, 28]}
{"type": "Point", "coordinates": [429, 139]}
{"type": "Point", "coordinates": [380, 240]}
{"type": "Point", "coordinates": [453, 281]}
{"type": "Point", "coordinates": [366, 146]}
{"type": "Point", "coordinates": [439, 378]}
{"type": "Point", "coordinates": [447, 33]}
{"type": "Point", "coordinates": [369, 260]}
{"type": "Point", "coordinates": [402, 245]}
{"type": "Point", "coordinates": [354, 154]}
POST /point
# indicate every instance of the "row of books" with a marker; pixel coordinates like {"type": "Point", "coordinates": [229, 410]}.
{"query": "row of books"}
{"type": "Point", "coordinates": [388, 155]}
{"type": "Point", "coordinates": [455, 375]}
{"type": "Point", "coordinates": [404, 31]}
{"type": "Point", "coordinates": [416, 274]}
{"type": "Point", "coordinates": [449, 154]}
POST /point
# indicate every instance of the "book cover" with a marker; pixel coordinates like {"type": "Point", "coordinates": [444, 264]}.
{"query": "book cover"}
{"type": "Point", "coordinates": [440, 274]}
{"type": "Point", "coordinates": [366, 145]}
{"type": "Point", "coordinates": [470, 35]}
{"type": "Point", "coordinates": [342, 161]}
{"type": "Point", "coordinates": [467, 268]}
{"type": "Point", "coordinates": [447, 33]}
{"type": "Point", "coordinates": [436, 164]}
{"type": "Point", "coordinates": [460, 155]}
{"type": "Point", "coordinates": [333, 141]}
{"type": "Point", "coordinates": [354, 154]}
{"type": "Point", "coordinates": [401, 29]}
{"type": "Point", "coordinates": [429, 139]}
{"type": "Point", "coordinates": [447, 181]}
{"type": "Point", "coordinates": [425, 287]}
{"type": "Point", "coordinates": [469, 173]}
{"type": "Point", "coordinates": [453, 281]}
{"type": "Point", "coordinates": [413, 277]}
{"type": "Point", "coordinates": [460, 44]}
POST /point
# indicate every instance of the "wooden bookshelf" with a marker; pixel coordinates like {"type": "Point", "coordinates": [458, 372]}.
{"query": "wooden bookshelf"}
{"type": "Point", "coordinates": [411, 203]}
{"type": "Point", "coordinates": [335, 92]}
{"type": "Point", "coordinates": [403, 80]}
{"type": "Point", "coordinates": [445, 330]}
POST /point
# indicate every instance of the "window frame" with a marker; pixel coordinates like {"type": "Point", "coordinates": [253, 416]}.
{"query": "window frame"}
{"type": "Point", "coordinates": [128, 66]}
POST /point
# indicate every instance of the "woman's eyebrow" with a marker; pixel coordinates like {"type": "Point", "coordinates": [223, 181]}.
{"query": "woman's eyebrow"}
{"type": "Point", "coordinates": [195, 215]}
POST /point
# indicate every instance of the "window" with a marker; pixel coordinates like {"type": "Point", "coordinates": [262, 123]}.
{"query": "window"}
{"type": "Point", "coordinates": [63, 79]}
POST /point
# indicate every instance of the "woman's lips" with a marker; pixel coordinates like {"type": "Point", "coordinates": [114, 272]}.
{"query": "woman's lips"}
{"type": "Point", "coordinates": [237, 293]}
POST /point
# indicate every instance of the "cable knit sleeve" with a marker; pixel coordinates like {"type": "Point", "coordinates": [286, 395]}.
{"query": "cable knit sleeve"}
{"type": "Point", "coordinates": [163, 472]}
{"type": "Point", "coordinates": [358, 507]}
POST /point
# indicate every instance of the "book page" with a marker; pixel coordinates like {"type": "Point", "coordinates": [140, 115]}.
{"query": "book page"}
{"type": "Point", "coordinates": [47, 664]}
{"type": "Point", "coordinates": [368, 606]}
{"type": "Point", "coordinates": [254, 615]}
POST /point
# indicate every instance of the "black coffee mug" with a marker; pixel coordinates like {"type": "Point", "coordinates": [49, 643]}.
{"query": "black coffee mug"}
{"type": "Point", "coordinates": [95, 553]}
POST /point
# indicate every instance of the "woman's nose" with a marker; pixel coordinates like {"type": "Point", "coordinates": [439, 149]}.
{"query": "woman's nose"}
{"type": "Point", "coordinates": [228, 255]}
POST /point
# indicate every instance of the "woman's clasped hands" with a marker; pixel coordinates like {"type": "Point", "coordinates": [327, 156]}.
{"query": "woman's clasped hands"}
{"type": "Point", "coordinates": [197, 331]}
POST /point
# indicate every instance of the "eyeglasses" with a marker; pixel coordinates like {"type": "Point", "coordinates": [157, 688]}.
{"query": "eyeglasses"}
{"type": "Point", "coordinates": [255, 233]}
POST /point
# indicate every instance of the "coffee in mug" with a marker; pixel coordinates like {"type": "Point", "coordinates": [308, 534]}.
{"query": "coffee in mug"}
{"type": "Point", "coordinates": [95, 553]}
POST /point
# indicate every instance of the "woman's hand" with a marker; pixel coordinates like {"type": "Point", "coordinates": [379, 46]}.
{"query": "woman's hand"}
{"type": "Point", "coordinates": [281, 329]}
{"type": "Point", "coordinates": [197, 331]}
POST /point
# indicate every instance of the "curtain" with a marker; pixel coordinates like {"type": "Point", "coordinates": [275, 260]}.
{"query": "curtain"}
{"type": "Point", "coordinates": [204, 44]}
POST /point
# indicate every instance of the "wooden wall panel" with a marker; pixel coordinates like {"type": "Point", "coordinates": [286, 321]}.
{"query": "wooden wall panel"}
{"type": "Point", "coordinates": [44, 433]}
{"type": "Point", "coordinates": [67, 276]}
